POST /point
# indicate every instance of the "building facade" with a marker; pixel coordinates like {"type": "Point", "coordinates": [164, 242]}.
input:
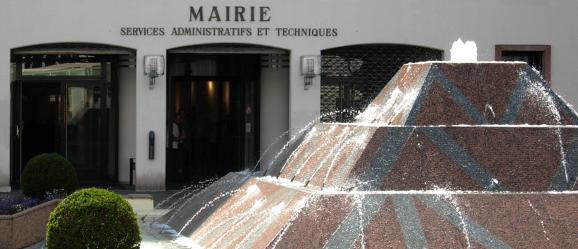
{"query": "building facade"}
{"type": "Point", "coordinates": [76, 77]}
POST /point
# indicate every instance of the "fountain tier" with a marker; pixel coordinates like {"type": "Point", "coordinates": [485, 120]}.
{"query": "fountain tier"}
{"type": "Point", "coordinates": [364, 157]}
{"type": "Point", "coordinates": [439, 93]}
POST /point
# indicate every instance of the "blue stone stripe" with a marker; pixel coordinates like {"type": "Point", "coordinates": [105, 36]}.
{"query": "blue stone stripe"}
{"type": "Point", "coordinates": [559, 182]}
{"type": "Point", "coordinates": [449, 147]}
{"type": "Point", "coordinates": [416, 108]}
{"type": "Point", "coordinates": [409, 221]}
{"type": "Point", "coordinates": [459, 97]}
{"type": "Point", "coordinates": [516, 101]}
{"type": "Point", "coordinates": [384, 158]}
{"type": "Point", "coordinates": [354, 223]}
{"type": "Point", "coordinates": [467, 226]}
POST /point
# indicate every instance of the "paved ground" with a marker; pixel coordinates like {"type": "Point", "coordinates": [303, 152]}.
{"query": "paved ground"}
{"type": "Point", "coordinates": [143, 203]}
{"type": "Point", "coordinates": [150, 240]}
{"type": "Point", "coordinates": [157, 196]}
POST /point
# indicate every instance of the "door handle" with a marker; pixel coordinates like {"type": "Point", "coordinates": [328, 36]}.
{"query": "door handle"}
{"type": "Point", "coordinates": [151, 145]}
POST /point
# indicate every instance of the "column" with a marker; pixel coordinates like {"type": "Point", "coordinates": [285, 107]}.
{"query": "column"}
{"type": "Point", "coordinates": [150, 116]}
{"type": "Point", "coordinates": [5, 120]}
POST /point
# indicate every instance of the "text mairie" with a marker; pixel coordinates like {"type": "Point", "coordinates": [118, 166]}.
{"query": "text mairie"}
{"type": "Point", "coordinates": [230, 14]}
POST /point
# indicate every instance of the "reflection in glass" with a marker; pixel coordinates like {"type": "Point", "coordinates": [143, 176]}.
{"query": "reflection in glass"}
{"type": "Point", "coordinates": [12, 72]}
{"type": "Point", "coordinates": [83, 127]}
{"type": "Point", "coordinates": [108, 70]}
{"type": "Point", "coordinates": [110, 140]}
{"type": "Point", "coordinates": [74, 69]}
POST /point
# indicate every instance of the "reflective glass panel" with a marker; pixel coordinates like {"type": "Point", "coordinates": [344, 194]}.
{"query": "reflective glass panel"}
{"type": "Point", "coordinates": [12, 72]}
{"type": "Point", "coordinates": [72, 69]}
{"type": "Point", "coordinates": [83, 128]}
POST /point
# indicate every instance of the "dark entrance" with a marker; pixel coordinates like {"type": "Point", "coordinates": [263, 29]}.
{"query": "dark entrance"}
{"type": "Point", "coordinates": [213, 115]}
{"type": "Point", "coordinates": [41, 109]}
{"type": "Point", "coordinates": [66, 104]}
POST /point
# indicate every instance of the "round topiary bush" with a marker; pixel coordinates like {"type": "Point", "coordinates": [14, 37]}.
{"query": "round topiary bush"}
{"type": "Point", "coordinates": [93, 218]}
{"type": "Point", "coordinates": [48, 172]}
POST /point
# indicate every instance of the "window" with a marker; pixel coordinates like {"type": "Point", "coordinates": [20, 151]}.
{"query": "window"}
{"type": "Point", "coordinates": [63, 70]}
{"type": "Point", "coordinates": [537, 56]}
{"type": "Point", "coordinates": [61, 66]}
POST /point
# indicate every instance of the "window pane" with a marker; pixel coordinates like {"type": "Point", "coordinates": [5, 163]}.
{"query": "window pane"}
{"type": "Point", "coordinates": [533, 58]}
{"type": "Point", "coordinates": [108, 72]}
{"type": "Point", "coordinates": [83, 128]}
{"type": "Point", "coordinates": [75, 69]}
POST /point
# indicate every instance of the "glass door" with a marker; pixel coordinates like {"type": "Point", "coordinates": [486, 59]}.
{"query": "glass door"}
{"type": "Point", "coordinates": [74, 119]}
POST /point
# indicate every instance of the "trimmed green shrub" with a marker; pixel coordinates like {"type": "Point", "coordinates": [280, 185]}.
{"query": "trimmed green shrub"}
{"type": "Point", "coordinates": [93, 218]}
{"type": "Point", "coordinates": [47, 172]}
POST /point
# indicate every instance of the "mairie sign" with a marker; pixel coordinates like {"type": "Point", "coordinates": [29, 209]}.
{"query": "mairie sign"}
{"type": "Point", "coordinates": [229, 14]}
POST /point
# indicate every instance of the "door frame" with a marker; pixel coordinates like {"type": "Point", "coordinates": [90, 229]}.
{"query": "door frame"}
{"type": "Point", "coordinates": [249, 93]}
{"type": "Point", "coordinates": [15, 136]}
{"type": "Point", "coordinates": [18, 126]}
{"type": "Point", "coordinates": [65, 81]}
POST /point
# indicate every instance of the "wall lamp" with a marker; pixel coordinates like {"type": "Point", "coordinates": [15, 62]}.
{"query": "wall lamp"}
{"type": "Point", "coordinates": [310, 68]}
{"type": "Point", "coordinates": [154, 66]}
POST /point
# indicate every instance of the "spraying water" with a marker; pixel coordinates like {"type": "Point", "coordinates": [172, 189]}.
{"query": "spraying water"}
{"type": "Point", "coordinates": [208, 204]}
{"type": "Point", "coordinates": [464, 51]}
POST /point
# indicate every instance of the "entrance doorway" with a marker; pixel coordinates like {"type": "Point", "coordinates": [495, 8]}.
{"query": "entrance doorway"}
{"type": "Point", "coordinates": [66, 104]}
{"type": "Point", "coordinates": [213, 115]}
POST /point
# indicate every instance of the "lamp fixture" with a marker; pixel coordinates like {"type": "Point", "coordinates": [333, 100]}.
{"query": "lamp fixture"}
{"type": "Point", "coordinates": [154, 66]}
{"type": "Point", "coordinates": [310, 68]}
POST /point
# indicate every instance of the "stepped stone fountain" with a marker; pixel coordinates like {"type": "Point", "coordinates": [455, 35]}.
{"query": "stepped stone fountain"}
{"type": "Point", "coordinates": [448, 155]}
